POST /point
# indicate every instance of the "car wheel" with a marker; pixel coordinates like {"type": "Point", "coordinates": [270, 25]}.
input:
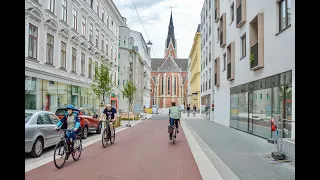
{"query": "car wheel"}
{"type": "Point", "coordinates": [99, 128]}
{"type": "Point", "coordinates": [37, 148]}
{"type": "Point", "coordinates": [84, 133]}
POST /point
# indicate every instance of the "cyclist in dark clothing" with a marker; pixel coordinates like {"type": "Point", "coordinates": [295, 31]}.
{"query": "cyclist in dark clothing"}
{"type": "Point", "coordinates": [110, 113]}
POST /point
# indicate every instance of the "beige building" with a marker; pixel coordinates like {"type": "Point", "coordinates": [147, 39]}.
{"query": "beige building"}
{"type": "Point", "coordinates": [194, 70]}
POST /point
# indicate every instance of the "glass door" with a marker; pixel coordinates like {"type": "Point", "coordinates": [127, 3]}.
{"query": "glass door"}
{"type": "Point", "coordinates": [250, 111]}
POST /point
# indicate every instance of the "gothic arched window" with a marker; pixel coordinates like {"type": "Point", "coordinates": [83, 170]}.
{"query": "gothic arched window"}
{"type": "Point", "coordinates": [168, 85]}
{"type": "Point", "coordinates": [162, 87]}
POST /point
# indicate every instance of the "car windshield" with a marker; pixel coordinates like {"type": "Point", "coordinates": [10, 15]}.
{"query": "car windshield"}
{"type": "Point", "coordinates": [61, 112]}
{"type": "Point", "coordinates": [27, 116]}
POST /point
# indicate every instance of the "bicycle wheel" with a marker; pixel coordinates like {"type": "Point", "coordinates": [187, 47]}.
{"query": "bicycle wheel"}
{"type": "Point", "coordinates": [113, 137]}
{"type": "Point", "coordinates": [77, 152]}
{"type": "Point", "coordinates": [174, 135]}
{"type": "Point", "coordinates": [61, 149]}
{"type": "Point", "coordinates": [105, 138]}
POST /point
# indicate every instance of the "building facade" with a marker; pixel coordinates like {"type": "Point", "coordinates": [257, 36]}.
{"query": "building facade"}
{"type": "Point", "coordinates": [253, 64]}
{"type": "Point", "coordinates": [135, 61]}
{"type": "Point", "coordinates": [64, 42]}
{"type": "Point", "coordinates": [141, 68]}
{"type": "Point", "coordinates": [169, 81]}
{"type": "Point", "coordinates": [207, 43]}
{"type": "Point", "coordinates": [194, 70]}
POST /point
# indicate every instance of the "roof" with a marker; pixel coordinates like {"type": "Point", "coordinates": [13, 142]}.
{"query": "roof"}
{"type": "Point", "coordinates": [158, 62]}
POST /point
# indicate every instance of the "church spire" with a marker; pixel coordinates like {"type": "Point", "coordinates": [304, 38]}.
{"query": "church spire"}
{"type": "Point", "coordinates": [171, 33]}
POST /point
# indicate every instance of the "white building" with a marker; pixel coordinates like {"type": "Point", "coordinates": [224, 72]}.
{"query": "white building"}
{"type": "Point", "coordinates": [141, 67]}
{"type": "Point", "coordinates": [252, 58]}
{"type": "Point", "coordinates": [135, 60]}
{"type": "Point", "coordinates": [207, 42]}
{"type": "Point", "coordinates": [64, 41]}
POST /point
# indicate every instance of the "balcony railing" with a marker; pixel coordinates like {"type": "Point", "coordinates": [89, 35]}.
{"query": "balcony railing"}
{"type": "Point", "coordinates": [215, 78]}
{"type": "Point", "coordinates": [221, 37]}
{"type": "Point", "coordinates": [229, 71]}
{"type": "Point", "coordinates": [239, 14]}
{"type": "Point", "coordinates": [254, 56]}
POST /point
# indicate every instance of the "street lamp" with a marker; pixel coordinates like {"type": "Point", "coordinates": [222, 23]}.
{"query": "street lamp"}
{"type": "Point", "coordinates": [149, 43]}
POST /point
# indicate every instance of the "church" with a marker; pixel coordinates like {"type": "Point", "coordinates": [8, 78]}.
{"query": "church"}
{"type": "Point", "coordinates": [169, 82]}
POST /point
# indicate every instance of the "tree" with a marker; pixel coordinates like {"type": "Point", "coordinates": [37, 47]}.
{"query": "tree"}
{"type": "Point", "coordinates": [128, 92]}
{"type": "Point", "coordinates": [102, 82]}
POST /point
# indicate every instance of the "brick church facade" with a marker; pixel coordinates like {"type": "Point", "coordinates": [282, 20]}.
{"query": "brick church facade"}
{"type": "Point", "coordinates": [169, 80]}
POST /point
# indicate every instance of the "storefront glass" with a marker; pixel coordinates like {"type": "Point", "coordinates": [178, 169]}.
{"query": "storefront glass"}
{"type": "Point", "coordinates": [32, 93]}
{"type": "Point", "coordinates": [47, 95]}
{"type": "Point", "coordinates": [49, 92]}
{"type": "Point", "coordinates": [62, 95]}
{"type": "Point", "coordinates": [262, 112]}
{"type": "Point", "coordinates": [252, 105]}
{"type": "Point", "coordinates": [205, 106]}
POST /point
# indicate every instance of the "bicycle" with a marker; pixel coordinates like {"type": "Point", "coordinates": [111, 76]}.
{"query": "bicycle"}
{"type": "Point", "coordinates": [172, 130]}
{"type": "Point", "coordinates": [106, 135]}
{"type": "Point", "coordinates": [66, 148]}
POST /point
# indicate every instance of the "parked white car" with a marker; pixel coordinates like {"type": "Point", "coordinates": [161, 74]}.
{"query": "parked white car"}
{"type": "Point", "coordinates": [39, 131]}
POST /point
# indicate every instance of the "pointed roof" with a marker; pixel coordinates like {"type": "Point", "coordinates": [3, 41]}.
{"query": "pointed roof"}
{"type": "Point", "coordinates": [158, 62]}
{"type": "Point", "coordinates": [169, 65]}
{"type": "Point", "coordinates": [171, 33]}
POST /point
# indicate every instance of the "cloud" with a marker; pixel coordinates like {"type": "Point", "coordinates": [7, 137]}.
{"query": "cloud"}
{"type": "Point", "coordinates": [155, 16]}
{"type": "Point", "coordinates": [140, 4]}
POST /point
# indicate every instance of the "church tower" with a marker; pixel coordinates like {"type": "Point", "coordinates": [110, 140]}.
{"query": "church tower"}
{"type": "Point", "coordinates": [170, 44]}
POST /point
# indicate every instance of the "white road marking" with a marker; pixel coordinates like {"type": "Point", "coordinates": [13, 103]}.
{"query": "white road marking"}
{"type": "Point", "coordinates": [206, 168]}
{"type": "Point", "coordinates": [41, 162]}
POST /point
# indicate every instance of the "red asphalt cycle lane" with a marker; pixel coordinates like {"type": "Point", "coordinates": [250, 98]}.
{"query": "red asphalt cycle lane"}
{"type": "Point", "coordinates": [142, 152]}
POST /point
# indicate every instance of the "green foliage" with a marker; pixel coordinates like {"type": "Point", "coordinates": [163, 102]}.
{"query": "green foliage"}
{"type": "Point", "coordinates": [102, 82]}
{"type": "Point", "coordinates": [251, 57]}
{"type": "Point", "coordinates": [128, 91]}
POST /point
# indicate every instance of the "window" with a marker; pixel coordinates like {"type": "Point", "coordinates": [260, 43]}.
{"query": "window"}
{"type": "Point", "coordinates": [64, 10]}
{"type": "Point", "coordinates": [97, 38]}
{"type": "Point", "coordinates": [224, 61]}
{"type": "Point", "coordinates": [51, 4]}
{"type": "Point", "coordinates": [209, 25]}
{"type": "Point", "coordinates": [90, 68]}
{"type": "Point", "coordinates": [74, 60]}
{"type": "Point", "coordinates": [102, 43]}
{"type": "Point", "coordinates": [162, 87]}
{"type": "Point", "coordinates": [107, 20]}
{"type": "Point", "coordinates": [243, 46]}
{"type": "Point", "coordinates": [96, 66]}
{"type": "Point", "coordinates": [111, 51]}
{"type": "Point", "coordinates": [107, 48]}
{"type": "Point", "coordinates": [284, 14]}
{"type": "Point", "coordinates": [75, 21]}
{"type": "Point", "coordinates": [175, 86]}
{"type": "Point", "coordinates": [209, 78]}
{"type": "Point", "coordinates": [102, 15]}
{"type": "Point", "coordinates": [91, 3]}
{"type": "Point", "coordinates": [209, 4]}
{"type": "Point", "coordinates": [98, 8]}
{"type": "Point", "coordinates": [83, 57]}
{"type": "Point", "coordinates": [63, 55]}
{"type": "Point", "coordinates": [231, 12]}
{"type": "Point", "coordinates": [84, 26]}
{"type": "Point", "coordinates": [33, 41]}
{"type": "Point", "coordinates": [218, 34]}
{"type": "Point", "coordinates": [118, 55]}
{"type": "Point", "coordinates": [43, 118]}
{"type": "Point", "coordinates": [50, 43]}
{"type": "Point", "coordinates": [90, 33]}
{"type": "Point", "coordinates": [169, 85]}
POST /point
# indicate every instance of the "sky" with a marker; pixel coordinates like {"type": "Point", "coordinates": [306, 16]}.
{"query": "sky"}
{"type": "Point", "coordinates": [155, 16]}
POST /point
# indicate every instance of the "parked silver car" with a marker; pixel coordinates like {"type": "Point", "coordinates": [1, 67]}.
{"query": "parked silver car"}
{"type": "Point", "coordinates": [39, 131]}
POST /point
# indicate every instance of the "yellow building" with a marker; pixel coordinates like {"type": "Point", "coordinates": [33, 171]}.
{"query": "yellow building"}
{"type": "Point", "coordinates": [194, 70]}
